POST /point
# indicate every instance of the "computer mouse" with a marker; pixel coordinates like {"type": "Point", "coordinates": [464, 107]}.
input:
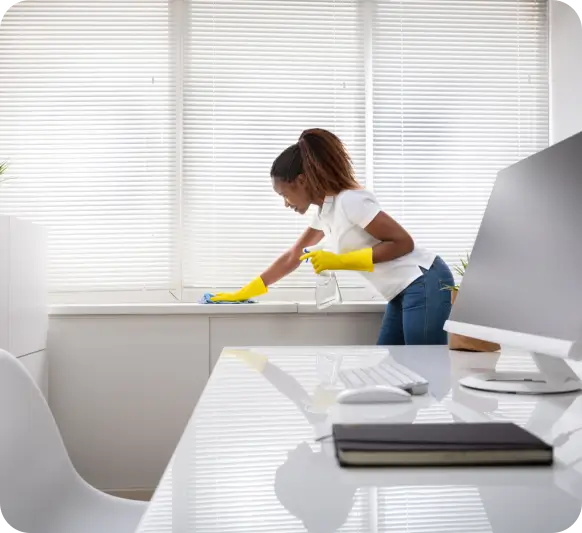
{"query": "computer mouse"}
{"type": "Point", "coordinates": [374, 394]}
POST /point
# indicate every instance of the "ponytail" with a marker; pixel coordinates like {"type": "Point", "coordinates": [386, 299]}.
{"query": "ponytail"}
{"type": "Point", "coordinates": [311, 169]}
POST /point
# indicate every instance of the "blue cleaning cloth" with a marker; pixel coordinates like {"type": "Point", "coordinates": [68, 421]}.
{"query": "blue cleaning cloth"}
{"type": "Point", "coordinates": [206, 300]}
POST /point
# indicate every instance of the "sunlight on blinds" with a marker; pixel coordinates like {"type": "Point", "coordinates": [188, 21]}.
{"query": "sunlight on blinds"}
{"type": "Point", "coordinates": [149, 163]}
{"type": "Point", "coordinates": [257, 74]}
{"type": "Point", "coordinates": [87, 114]}
{"type": "Point", "coordinates": [460, 92]}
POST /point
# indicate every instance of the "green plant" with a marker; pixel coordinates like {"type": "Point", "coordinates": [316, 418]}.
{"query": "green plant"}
{"type": "Point", "coordinates": [460, 270]}
{"type": "Point", "coordinates": [3, 169]}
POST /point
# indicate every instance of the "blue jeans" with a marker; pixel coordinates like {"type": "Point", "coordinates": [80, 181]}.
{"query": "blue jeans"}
{"type": "Point", "coordinates": [418, 314]}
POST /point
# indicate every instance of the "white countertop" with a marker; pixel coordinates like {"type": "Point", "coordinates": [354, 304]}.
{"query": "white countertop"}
{"type": "Point", "coordinates": [248, 460]}
{"type": "Point", "coordinates": [181, 308]}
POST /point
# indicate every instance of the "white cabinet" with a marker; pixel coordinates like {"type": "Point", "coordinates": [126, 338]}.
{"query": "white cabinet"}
{"type": "Point", "coordinates": [23, 291]}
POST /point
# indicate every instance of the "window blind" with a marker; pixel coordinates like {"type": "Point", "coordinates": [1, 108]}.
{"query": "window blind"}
{"type": "Point", "coordinates": [87, 122]}
{"type": "Point", "coordinates": [257, 73]}
{"type": "Point", "coordinates": [150, 164]}
{"type": "Point", "coordinates": [460, 92]}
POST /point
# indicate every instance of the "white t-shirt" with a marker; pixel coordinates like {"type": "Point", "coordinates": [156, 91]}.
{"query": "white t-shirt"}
{"type": "Point", "coordinates": [343, 219]}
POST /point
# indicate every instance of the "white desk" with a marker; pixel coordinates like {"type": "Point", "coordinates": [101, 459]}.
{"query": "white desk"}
{"type": "Point", "coordinates": [247, 461]}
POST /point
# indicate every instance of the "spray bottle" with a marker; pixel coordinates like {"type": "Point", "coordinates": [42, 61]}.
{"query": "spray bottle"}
{"type": "Point", "coordinates": [327, 290]}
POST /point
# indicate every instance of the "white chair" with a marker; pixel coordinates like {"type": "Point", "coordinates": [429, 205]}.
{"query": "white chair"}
{"type": "Point", "coordinates": [40, 490]}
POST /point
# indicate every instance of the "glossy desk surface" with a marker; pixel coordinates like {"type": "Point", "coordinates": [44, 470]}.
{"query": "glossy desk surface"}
{"type": "Point", "coordinates": [248, 460]}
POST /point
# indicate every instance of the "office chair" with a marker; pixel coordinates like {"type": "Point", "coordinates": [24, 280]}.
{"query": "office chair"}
{"type": "Point", "coordinates": [40, 490]}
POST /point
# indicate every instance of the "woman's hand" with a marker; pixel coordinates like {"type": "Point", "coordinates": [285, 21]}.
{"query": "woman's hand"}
{"type": "Point", "coordinates": [357, 260]}
{"type": "Point", "coordinates": [284, 265]}
{"type": "Point", "coordinates": [255, 288]}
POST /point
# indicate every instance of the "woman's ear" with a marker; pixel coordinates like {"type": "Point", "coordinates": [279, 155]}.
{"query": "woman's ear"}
{"type": "Point", "coordinates": [300, 180]}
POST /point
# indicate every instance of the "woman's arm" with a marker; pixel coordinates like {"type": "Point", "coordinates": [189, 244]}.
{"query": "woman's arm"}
{"type": "Point", "coordinates": [286, 264]}
{"type": "Point", "coordinates": [396, 241]}
{"type": "Point", "coordinates": [289, 261]}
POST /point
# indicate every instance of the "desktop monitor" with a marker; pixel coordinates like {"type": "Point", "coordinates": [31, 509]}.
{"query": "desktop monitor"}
{"type": "Point", "coordinates": [522, 288]}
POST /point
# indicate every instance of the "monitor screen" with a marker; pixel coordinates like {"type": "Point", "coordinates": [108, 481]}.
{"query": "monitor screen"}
{"type": "Point", "coordinates": [525, 269]}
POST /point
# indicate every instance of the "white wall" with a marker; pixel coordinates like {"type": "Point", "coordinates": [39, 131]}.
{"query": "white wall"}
{"type": "Point", "coordinates": [566, 71]}
{"type": "Point", "coordinates": [122, 387]}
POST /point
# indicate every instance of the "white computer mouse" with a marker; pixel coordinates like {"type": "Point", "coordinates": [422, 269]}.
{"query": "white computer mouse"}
{"type": "Point", "coordinates": [374, 394]}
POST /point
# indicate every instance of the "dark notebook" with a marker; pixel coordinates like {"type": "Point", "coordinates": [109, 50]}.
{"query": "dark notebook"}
{"type": "Point", "coordinates": [490, 443]}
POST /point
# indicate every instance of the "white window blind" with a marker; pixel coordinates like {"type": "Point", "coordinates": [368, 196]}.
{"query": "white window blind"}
{"type": "Point", "coordinates": [460, 92]}
{"type": "Point", "coordinates": [258, 73]}
{"type": "Point", "coordinates": [87, 122]}
{"type": "Point", "coordinates": [150, 164]}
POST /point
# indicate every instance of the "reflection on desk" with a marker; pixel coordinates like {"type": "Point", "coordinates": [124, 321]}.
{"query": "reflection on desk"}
{"type": "Point", "coordinates": [249, 461]}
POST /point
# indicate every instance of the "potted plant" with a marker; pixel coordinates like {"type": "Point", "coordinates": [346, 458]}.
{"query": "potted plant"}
{"type": "Point", "coordinates": [460, 342]}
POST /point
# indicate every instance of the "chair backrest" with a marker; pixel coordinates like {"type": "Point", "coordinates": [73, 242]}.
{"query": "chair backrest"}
{"type": "Point", "coordinates": [34, 464]}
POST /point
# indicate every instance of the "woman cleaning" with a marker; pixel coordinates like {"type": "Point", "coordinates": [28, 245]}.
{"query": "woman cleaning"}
{"type": "Point", "coordinates": [317, 170]}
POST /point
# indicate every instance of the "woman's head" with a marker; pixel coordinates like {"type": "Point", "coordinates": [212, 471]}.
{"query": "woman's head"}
{"type": "Point", "coordinates": [318, 165]}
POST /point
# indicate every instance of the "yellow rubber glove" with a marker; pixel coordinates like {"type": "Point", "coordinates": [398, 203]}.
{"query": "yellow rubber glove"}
{"type": "Point", "coordinates": [357, 260]}
{"type": "Point", "coordinates": [255, 288]}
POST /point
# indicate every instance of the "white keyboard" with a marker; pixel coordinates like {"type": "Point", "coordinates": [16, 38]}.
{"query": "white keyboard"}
{"type": "Point", "coordinates": [384, 373]}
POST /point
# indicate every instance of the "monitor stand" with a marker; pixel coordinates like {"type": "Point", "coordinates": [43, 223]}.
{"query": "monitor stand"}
{"type": "Point", "coordinates": [554, 377]}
